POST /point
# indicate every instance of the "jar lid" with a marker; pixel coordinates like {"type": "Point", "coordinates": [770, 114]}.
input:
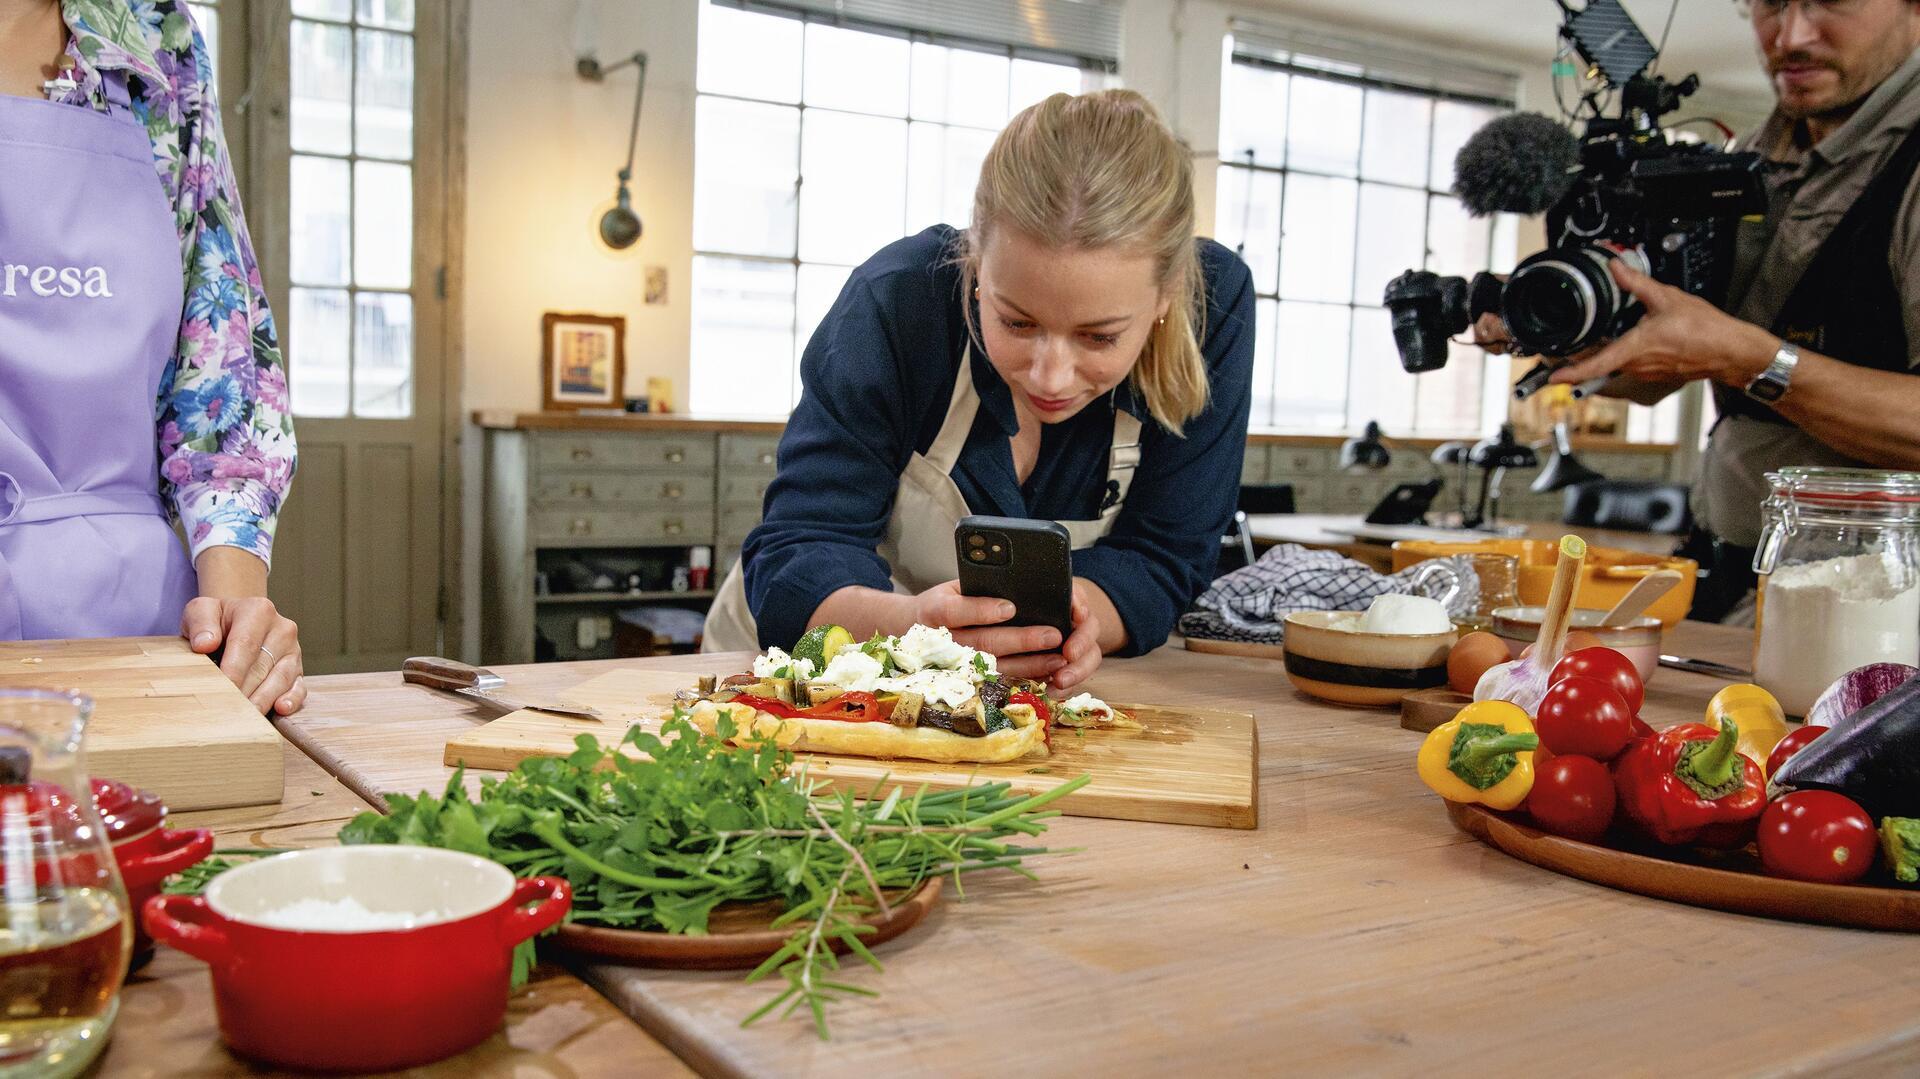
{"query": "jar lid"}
{"type": "Point", "coordinates": [125, 811]}
{"type": "Point", "coordinates": [1842, 487]}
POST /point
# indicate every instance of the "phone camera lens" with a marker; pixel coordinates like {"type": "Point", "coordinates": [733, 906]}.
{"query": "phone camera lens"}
{"type": "Point", "coordinates": [976, 541]}
{"type": "Point", "coordinates": [977, 555]}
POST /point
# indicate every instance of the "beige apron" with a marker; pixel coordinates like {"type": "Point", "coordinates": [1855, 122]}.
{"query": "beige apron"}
{"type": "Point", "coordinates": [926, 507]}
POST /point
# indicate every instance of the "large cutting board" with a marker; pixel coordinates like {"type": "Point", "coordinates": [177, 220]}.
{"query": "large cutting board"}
{"type": "Point", "coordinates": [165, 719]}
{"type": "Point", "coordinates": [1190, 766]}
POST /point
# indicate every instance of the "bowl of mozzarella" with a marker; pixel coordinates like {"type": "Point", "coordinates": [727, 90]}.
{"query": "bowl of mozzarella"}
{"type": "Point", "coordinates": [1399, 644]}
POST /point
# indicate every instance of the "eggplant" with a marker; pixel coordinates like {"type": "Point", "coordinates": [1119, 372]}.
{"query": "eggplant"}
{"type": "Point", "coordinates": [708, 683]}
{"type": "Point", "coordinates": [1872, 756]}
{"type": "Point", "coordinates": [1856, 689]}
{"type": "Point", "coordinates": [970, 722]}
{"type": "Point", "coordinates": [906, 710]}
{"type": "Point", "coordinates": [993, 695]}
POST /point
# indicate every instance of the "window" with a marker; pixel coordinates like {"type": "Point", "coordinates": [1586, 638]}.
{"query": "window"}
{"type": "Point", "coordinates": [815, 145]}
{"type": "Point", "coordinates": [350, 248]}
{"type": "Point", "coordinates": [1332, 181]}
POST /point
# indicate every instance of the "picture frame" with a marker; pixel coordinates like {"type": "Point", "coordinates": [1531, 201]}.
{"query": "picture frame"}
{"type": "Point", "coordinates": [583, 361]}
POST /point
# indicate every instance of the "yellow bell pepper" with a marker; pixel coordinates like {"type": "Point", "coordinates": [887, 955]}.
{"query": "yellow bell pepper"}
{"type": "Point", "coordinates": [1483, 754]}
{"type": "Point", "coordinates": [1757, 716]}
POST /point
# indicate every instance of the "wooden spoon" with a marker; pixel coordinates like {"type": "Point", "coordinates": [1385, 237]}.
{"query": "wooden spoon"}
{"type": "Point", "coordinates": [1640, 597]}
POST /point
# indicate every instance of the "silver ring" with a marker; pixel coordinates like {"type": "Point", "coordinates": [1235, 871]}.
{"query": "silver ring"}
{"type": "Point", "coordinates": [271, 658]}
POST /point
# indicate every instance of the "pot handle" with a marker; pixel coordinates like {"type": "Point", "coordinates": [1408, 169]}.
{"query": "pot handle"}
{"type": "Point", "coordinates": [178, 850]}
{"type": "Point", "coordinates": [551, 897]}
{"type": "Point", "coordinates": [187, 923]}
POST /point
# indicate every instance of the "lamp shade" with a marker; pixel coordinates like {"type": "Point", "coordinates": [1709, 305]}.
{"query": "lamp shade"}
{"type": "Point", "coordinates": [1367, 451]}
{"type": "Point", "coordinates": [1503, 451]}
{"type": "Point", "coordinates": [1563, 468]}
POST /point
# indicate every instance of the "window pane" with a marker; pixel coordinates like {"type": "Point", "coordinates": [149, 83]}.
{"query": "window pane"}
{"type": "Point", "coordinates": [1453, 123]}
{"type": "Point", "coordinates": [1393, 222]}
{"type": "Point", "coordinates": [1378, 388]}
{"type": "Point", "coordinates": [819, 287]}
{"type": "Point", "coordinates": [317, 351]}
{"type": "Point", "coordinates": [383, 355]}
{"type": "Point", "coordinates": [1310, 366]}
{"type": "Point", "coordinates": [1035, 81]}
{"type": "Point", "coordinates": [1265, 315]}
{"type": "Point", "coordinates": [1456, 243]}
{"type": "Point", "coordinates": [1253, 115]}
{"type": "Point", "coordinates": [383, 95]}
{"type": "Point", "coordinates": [959, 86]}
{"type": "Point", "coordinates": [382, 225]}
{"type": "Point", "coordinates": [1323, 132]}
{"type": "Point", "coordinates": [1396, 138]}
{"type": "Point", "coordinates": [856, 186]}
{"type": "Point", "coordinates": [393, 14]}
{"type": "Point", "coordinates": [943, 167]}
{"type": "Point", "coordinates": [748, 54]}
{"type": "Point", "coordinates": [1247, 219]}
{"type": "Point", "coordinates": [322, 87]}
{"type": "Point", "coordinates": [745, 158]}
{"type": "Point", "coordinates": [742, 337]}
{"type": "Point", "coordinates": [1506, 243]}
{"type": "Point", "coordinates": [320, 207]}
{"type": "Point", "coordinates": [1449, 399]}
{"type": "Point", "coordinates": [207, 18]}
{"type": "Point", "coordinates": [339, 10]}
{"type": "Point", "coordinates": [853, 69]}
{"type": "Point", "coordinates": [1316, 244]}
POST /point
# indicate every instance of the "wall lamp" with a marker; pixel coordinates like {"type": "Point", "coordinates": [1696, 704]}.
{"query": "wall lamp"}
{"type": "Point", "coordinates": [620, 227]}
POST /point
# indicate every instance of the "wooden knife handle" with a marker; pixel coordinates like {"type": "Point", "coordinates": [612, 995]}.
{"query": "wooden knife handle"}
{"type": "Point", "coordinates": [436, 672]}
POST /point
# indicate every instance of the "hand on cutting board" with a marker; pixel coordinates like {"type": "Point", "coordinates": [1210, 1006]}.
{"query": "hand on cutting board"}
{"type": "Point", "coordinates": [259, 648]}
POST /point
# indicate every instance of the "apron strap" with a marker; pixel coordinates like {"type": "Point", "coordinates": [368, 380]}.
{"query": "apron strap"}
{"type": "Point", "coordinates": [962, 406]}
{"type": "Point", "coordinates": [1122, 461]}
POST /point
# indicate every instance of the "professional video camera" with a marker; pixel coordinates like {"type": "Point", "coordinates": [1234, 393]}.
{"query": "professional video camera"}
{"type": "Point", "coordinates": [1622, 190]}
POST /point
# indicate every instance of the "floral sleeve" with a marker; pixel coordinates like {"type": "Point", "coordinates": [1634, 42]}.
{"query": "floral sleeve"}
{"type": "Point", "coordinates": [224, 423]}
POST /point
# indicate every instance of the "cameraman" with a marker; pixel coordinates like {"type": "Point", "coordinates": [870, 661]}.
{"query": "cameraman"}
{"type": "Point", "coordinates": [1816, 364]}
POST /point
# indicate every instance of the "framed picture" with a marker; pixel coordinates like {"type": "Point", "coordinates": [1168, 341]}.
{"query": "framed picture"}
{"type": "Point", "coordinates": [583, 361]}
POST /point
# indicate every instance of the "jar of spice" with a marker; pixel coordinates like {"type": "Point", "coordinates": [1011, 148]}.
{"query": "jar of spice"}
{"type": "Point", "coordinates": [1839, 566]}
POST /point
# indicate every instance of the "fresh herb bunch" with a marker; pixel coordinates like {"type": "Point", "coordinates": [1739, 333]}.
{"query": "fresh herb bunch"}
{"type": "Point", "coordinates": [658, 843]}
{"type": "Point", "coordinates": [194, 879]}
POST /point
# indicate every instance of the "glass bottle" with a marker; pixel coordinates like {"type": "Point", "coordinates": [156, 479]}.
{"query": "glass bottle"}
{"type": "Point", "coordinates": [65, 930]}
{"type": "Point", "coordinates": [1499, 577]}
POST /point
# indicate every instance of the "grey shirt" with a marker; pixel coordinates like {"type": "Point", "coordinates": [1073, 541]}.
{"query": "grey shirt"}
{"type": "Point", "coordinates": [1805, 202]}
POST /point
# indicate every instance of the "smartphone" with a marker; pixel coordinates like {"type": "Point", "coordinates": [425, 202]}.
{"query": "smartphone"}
{"type": "Point", "coordinates": [1027, 563]}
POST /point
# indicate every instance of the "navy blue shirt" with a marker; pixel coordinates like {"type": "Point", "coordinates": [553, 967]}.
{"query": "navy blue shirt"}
{"type": "Point", "coordinates": [877, 377]}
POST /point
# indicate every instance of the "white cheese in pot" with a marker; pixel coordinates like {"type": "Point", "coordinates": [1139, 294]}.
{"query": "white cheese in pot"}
{"type": "Point", "coordinates": [343, 915]}
{"type": "Point", "coordinates": [1405, 614]}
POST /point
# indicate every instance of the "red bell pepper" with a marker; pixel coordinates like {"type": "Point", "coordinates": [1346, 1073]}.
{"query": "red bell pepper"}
{"type": "Point", "coordinates": [1688, 785]}
{"type": "Point", "coordinates": [1040, 709]}
{"type": "Point", "coordinates": [853, 706]}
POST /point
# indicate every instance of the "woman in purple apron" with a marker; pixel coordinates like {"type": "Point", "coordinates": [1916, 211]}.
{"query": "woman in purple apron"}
{"type": "Point", "coordinates": [139, 376]}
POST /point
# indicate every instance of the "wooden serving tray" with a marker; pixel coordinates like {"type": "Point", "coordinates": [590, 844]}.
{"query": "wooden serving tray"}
{"type": "Point", "coordinates": [1859, 906]}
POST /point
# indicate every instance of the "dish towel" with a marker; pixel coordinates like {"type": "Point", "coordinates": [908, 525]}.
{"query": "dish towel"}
{"type": "Point", "coordinates": [1251, 604]}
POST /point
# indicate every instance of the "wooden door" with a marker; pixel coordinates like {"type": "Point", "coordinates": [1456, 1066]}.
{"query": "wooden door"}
{"type": "Point", "coordinates": [346, 116]}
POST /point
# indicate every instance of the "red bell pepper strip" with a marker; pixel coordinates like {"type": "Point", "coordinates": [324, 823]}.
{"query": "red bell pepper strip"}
{"type": "Point", "coordinates": [853, 707]}
{"type": "Point", "coordinates": [1689, 785]}
{"type": "Point", "coordinates": [1039, 706]}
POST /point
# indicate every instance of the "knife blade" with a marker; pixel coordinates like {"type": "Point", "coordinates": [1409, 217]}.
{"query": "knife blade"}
{"type": "Point", "coordinates": [1705, 666]}
{"type": "Point", "coordinates": [480, 684]}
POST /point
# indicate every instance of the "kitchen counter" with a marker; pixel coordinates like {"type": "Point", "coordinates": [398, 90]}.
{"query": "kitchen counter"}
{"type": "Point", "coordinates": [1354, 931]}
{"type": "Point", "coordinates": [557, 1025]}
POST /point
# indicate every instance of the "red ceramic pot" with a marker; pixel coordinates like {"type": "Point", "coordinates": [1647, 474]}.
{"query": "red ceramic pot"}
{"type": "Point", "coordinates": [146, 852]}
{"type": "Point", "coordinates": [343, 998]}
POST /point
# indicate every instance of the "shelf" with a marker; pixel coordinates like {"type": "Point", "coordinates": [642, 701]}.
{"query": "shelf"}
{"type": "Point", "coordinates": [621, 597]}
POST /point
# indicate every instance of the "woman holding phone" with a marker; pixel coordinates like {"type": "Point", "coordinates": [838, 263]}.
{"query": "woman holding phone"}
{"type": "Point", "coordinates": [1076, 356]}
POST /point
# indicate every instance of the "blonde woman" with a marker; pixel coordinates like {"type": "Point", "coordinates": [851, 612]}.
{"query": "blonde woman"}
{"type": "Point", "coordinates": [1076, 355]}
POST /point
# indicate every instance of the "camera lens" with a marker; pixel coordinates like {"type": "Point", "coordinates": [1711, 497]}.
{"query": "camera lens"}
{"type": "Point", "coordinates": [1562, 300]}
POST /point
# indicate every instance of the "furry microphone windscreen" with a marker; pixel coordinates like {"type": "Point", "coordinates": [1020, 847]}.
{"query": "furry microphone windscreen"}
{"type": "Point", "coordinates": [1520, 163]}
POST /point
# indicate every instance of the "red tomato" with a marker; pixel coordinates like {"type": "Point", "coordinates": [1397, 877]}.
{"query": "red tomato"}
{"type": "Point", "coordinates": [1818, 836]}
{"type": "Point", "coordinates": [1791, 744]}
{"type": "Point", "coordinates": [1608, 666]}
{"type": "Point", "coordinates": [1584, 716]}
{"type": "Point", "coordinates": [1572, 796]}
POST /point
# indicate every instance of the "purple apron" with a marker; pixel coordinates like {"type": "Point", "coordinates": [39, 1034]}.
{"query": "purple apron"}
{"type": "Point", "coordinates": [90, 301]}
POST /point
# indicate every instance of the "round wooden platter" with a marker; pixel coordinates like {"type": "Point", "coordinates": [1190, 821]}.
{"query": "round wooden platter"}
{"type": "Point", "coordinates": [1731, 883]}
{"type": "Point", "coordinates": [738, 936]}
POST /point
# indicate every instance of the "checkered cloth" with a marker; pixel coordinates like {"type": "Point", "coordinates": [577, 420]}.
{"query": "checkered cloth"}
{"type": "Point", "coordinates": [1251, 604]}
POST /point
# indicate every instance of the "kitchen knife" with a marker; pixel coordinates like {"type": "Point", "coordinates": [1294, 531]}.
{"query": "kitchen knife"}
{"type": "Point", "coordinates": [480, 684]}
{"type": "Point", "coordinates": [1705, 666]}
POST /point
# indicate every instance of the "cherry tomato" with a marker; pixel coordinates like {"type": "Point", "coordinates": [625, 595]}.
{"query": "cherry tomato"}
{"type": "Point", "coordinates": [1584, 716]}
{"type": "Point", "coordinates": [1607, 665]}
{"type": "Point", "coordinates": [1818, 836]}
{"type": "Point", "coordinates": [1572, 796]}
{"type": "Point", "coordinates": [1790, 745]}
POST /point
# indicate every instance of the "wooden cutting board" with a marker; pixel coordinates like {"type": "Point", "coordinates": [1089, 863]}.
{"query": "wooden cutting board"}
{"type": "Point", "coordinates": [1190, 766]}
{"type": "Point", "coordinates": [165, 720]}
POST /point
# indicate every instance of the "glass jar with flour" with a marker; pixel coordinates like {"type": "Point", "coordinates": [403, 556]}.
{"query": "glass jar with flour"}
{"type": "Point", "coordinates": [1839, 566]}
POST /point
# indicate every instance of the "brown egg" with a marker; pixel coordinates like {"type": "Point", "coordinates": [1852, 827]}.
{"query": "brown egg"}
{"type": "Point", "coordinates": [1576, 640]}
{"type": "Point", "coordinates": [1470, 658]}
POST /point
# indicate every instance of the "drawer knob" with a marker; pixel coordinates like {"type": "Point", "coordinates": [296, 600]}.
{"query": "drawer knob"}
{"type": "Point", "coordinates": [671, 490]}
{"type": "Point", "coordinates": [581, 490]}
{"type": "Point", "coordinates": [674, 457]}
{"type": "Point", "coordinates": [579, 526]}
{"type": "Point", "coordinates": [582, 453]}
{"type": "Point", "coordinates": [766, 458]}
{"type": "Point", "coordinates": [673, 526]}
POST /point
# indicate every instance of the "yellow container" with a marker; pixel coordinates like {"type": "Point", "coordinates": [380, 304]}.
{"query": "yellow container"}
{"type": "Point", "coordinates": [1608, 575]}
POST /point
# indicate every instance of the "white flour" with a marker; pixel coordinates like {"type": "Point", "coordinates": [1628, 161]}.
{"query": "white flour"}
{"type": "Point", "coordinates": [1819, 620]}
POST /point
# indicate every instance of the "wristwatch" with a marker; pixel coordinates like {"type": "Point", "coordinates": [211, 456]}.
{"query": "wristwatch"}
{"type": "Point", "coordinates": [1771, 385]}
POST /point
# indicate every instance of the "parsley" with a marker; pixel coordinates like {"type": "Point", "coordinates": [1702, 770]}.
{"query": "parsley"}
{"type": "Point", "coordinates": [980, 668]}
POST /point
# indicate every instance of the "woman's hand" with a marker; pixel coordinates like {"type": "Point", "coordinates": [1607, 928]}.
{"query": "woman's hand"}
{"type": "Point", "coordinates": [1082, 652]}
{"type": "Point", "coordinates": [260, 648]}
{"type": "Point", "coordinates": [1034, 652]}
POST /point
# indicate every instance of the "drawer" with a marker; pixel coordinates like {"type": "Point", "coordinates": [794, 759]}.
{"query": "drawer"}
{"type": "Point", "coordinates": [748, 451]}
{"type": "Point", "coordinates": [559, 525]}
{"type": "Point", "coordinates": [736, 522]}
{"type": "Point", "coordinates": [1354, 495]}
{"type": "Point", "coordinates": [1289, 462]}
{"type": "Point", "coordinates": [1253, 468]}
{"type": "Point", "coordinates": [1310, 495]}
{"type": "Point", "coordinates": [624, 451]}
{"type": "Point", "coordinates": [581, 488]}
{"type": "Point", "coordinates": [750, 490]}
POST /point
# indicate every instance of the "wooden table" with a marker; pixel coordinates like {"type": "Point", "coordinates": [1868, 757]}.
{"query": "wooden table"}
{"type": "Point", "coordinates": [1354, 932]}
{"type": "Point", "coordinates": [557, 1025]}
{"type": "Point", "coordinates": [1335, 532]}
